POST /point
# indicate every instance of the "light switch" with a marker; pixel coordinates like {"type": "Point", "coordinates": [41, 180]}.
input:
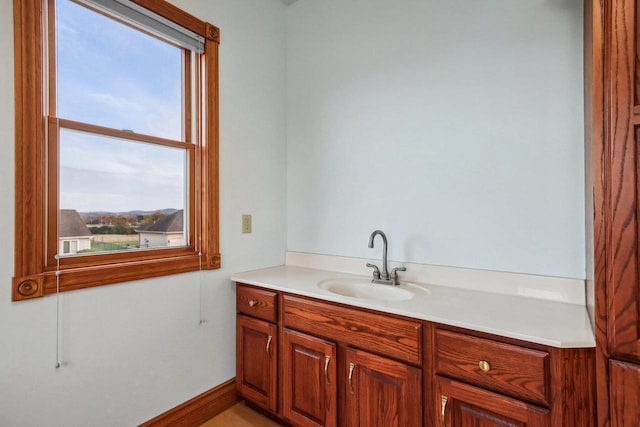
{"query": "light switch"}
{"type": "Point", "coordinates": [246, 223]}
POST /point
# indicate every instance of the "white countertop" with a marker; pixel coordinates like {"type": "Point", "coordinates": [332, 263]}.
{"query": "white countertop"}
{"type": "Point", "coordinates": [540, 321]}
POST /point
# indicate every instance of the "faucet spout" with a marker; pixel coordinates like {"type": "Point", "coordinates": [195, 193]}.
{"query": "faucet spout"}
{"type": "Point", "coordinates": [385, 273]}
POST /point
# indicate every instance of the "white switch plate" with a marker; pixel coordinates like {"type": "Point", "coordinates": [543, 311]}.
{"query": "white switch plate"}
{"type": "Point", "coordinates": [246, 223]}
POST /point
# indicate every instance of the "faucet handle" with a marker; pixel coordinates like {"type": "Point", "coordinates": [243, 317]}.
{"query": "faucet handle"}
{"type": "Point", "coordinates": [394, 275]}
{"type": "Point", "coordinates": [376, 270]}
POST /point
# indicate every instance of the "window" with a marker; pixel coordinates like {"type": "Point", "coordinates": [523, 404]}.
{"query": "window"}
{"type": "Point", "coordinates": [116, 143]}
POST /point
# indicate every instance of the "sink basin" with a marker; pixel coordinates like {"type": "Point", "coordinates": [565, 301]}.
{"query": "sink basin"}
{"type": "Point", "coordinates": [364, 289]}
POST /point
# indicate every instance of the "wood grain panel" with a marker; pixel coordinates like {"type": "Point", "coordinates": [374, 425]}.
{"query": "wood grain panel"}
{"type": "Point", "coordinates": [463, 405]}
{"type": "Point", "coordinates": [210, 118]}
{"type": "Point", "coordinates": [256, 302]}
{"type": "Point", "coordinates": [572, 387]}
{"type": "Point", "coordinates": [517, 371]}
{"type": "Point", "coordinates": [310, 383]}
{"type": "Point", "coordinates": [380, 392]}
{"type": "Point", "coordinates": [428, 373]}
{"type": "Point", "coordinates": [623, 289]}
{"type": "Point", "coordinates": [82, 277]}
{"type": "Point", "coordinates": [382, 334]}
{"type": "Point", "coordinates": [596, 157]}
{"type": "Point", "coordinates": [625, 394]}
{"type": "Point", "coordinates": [29, 152]}
{"type": "Point", "coordinates": [256, 361]}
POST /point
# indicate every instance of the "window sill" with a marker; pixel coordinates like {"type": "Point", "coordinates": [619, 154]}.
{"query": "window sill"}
{"type": "Point", "coordinates": [75, 278]}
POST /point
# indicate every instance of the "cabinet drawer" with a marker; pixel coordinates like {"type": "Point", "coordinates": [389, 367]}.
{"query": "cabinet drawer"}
{"type": "Point", "coordinates": [378, 333]}
{"type": "Point", "coordinates": [258, 303]}
{"type": "Point", "coordinates": [516, 371]}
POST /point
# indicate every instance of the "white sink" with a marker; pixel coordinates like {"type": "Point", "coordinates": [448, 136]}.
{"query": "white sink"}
{"type": "Point", "coordinates": [364, 289]}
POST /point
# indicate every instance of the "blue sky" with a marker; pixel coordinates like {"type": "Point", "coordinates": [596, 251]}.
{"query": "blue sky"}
{"type": "Point", "coordinates": [112, 75]}
{"type": "Point", "coordinates": [108, 174]}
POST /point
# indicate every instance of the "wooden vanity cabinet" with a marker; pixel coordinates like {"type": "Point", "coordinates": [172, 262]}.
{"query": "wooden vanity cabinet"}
{"type": "Point", "coordinates": [623, 260]}
{"type": "Point", "coordinates": [315, 363]}
{"type": "Point", "coordinates": [310, 381]}
{"type": "Point", "coordinates": [338, 366]}
{"type": "Point", "coordinates": [463, 405]}
{"type": "Point", "coordinates": [625, 386]}
{"type": "Point", "coordinates": [256, 361]}
{"type": "Point", "coordinates": [615, 135]}
{"type": "Point", "coordinates": [377, 370]}
{"type": "Point", "coordinates": [381, 392]}
{"type": "Point", "coordinates": [483, 380]}
{"type": "Point", "coordinates": [257, 347]}
{"type": "Point", "coordinates": [505, 368]}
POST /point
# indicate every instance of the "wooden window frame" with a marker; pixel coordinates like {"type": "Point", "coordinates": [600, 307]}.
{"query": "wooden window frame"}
{"type": "Point", "coordinates": [34, 272]}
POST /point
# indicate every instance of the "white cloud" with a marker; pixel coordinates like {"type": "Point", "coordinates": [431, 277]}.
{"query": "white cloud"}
{"type": "Point", "coordinates": [122, 105]}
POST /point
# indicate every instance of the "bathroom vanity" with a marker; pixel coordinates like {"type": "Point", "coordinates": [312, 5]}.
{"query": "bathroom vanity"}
{"type": "Point", "coordinates": [314, 352]}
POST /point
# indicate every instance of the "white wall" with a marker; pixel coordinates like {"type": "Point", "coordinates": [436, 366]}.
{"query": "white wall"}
{"type": "Point", "coordinates": [454, 126]}
{"type": "Point", "coordinates": [135, 350]}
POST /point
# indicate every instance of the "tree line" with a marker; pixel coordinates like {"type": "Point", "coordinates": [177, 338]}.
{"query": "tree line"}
{"type": "Point", "coordinates": [119, 224]}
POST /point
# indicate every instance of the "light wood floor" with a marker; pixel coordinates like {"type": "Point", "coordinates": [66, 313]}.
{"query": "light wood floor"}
{"type": "Point", "coordinates": [240, 416]}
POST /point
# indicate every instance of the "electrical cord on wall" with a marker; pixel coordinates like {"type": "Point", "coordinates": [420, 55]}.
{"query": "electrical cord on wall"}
{"type": "Point", "coordinates": [202, 319]}
{"type": "Point", "coordinates": [58, 314]}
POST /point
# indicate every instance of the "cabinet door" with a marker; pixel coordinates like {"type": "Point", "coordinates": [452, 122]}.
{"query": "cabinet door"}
{"type": "Point", "coordinates": [381, 392]}
{"type": "Point", "coordinates": [462, 405]}
{"type": "Point", "coordinates": [309, 380]}
{"type": "Point", "coordinates": [625, 394]}
{"type": "Point", "coordinates": [621, 204]}
{"type": "Point", "coordinates": [256, 361]}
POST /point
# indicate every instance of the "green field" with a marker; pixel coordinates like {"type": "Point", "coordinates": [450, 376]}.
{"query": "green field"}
{"type": "Point", "coordinates": [111, 246]}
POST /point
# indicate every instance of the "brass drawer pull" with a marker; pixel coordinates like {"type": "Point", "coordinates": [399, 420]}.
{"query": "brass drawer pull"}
{"type": "Point", "coordinates": [269, 345]}
{"type": "Point", "coordinates": [484, 366]}
{"type": "Point", "coordinates": [326, 368]}
{"type": "Point", "coordinates": [252, 303]}
{"type": "Point", "coordinates": [351, 368]}
{"type": "Point", "coordinates": [443, 402]}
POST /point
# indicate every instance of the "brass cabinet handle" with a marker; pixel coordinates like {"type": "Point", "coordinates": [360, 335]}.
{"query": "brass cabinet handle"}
{"type": "Point", "coordinates": [252, 303]}
{"type": "Point", "coordinates": [351, 368]}
{"type": "Point", "coordinates": [443, 401]}
{"type": "Point", "coordinates": [269, 345]}
{"type": "Point", "coordinates": [326, 368]}
{"type": "Point", "coordinates": [484, 366]}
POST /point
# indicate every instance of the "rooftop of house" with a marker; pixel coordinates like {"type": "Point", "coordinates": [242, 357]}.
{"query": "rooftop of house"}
{"type": "Point", "coordinates": [168, 224]}
{"type": "Point", "coordinates": [71, 225]}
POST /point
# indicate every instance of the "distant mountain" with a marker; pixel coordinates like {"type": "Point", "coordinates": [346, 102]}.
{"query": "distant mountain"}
{"type": "Point", "coordinates": [167, 211]}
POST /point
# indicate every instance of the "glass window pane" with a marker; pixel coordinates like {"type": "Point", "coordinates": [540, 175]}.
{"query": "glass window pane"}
{"type": "Point", "coordinates": [120, 194]}
{"type": "Point", "coordinates": [110, 74]}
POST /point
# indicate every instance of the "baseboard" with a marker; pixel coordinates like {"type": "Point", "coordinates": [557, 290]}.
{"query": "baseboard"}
{"type": "Point", "coordinates": [200, 409]}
